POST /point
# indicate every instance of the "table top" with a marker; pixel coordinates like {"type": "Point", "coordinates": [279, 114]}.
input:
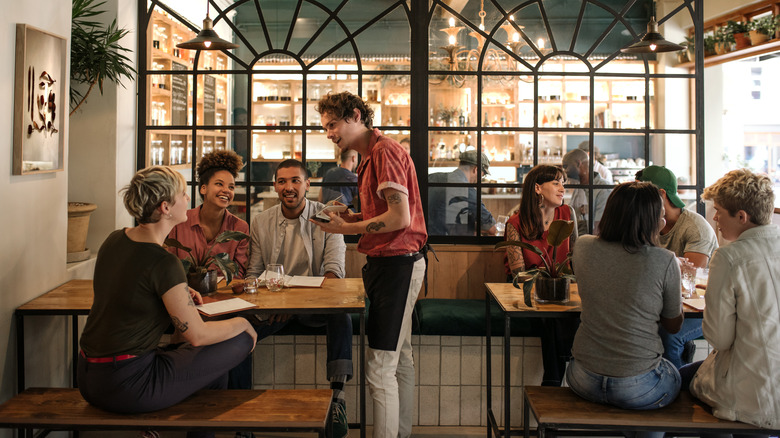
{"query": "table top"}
{"type": "Point", "coordinates": [336, 294]}
{"type": "Point", "coordinates": [511, 301]}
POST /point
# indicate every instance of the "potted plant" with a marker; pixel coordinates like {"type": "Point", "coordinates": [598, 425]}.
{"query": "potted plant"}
{"type": "Point", "coordinates": [723, 41]}
{"type": "Point", "coordinates": [686, 54]}
{"type": "Point", "coordinates": [709, 45]}
{"type": "Point", "coordinates": [739, 31]}
{"type": "Point", "coordinates": [762, 29]}
{"type": "Point", "coordinates": [199, 276]}
{"type": "Point", "coordinates": [95, 52]}
{"type": "Point", "coordinates": [552, 279]}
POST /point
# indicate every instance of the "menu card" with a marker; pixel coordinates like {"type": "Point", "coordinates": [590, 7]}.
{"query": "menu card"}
{"type": "Point", "coordinates": [221, 307]}
{"type": "Point", "coordinates": [696, 303]}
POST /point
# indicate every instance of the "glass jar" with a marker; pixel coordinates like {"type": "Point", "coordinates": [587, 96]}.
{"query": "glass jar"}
{"type": "Point", "coordinates": [284, 92]}
{"type": "Point", "coordinates": [273, 92]}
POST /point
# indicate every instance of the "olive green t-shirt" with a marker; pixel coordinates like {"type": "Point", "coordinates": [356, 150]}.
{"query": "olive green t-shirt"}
{"type": "Point", "coordinates": [128, 315]}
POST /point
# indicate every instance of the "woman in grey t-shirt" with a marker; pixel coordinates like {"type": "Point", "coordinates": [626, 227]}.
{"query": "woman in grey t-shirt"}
{"type": "Point", "coordinates": [628, 285]}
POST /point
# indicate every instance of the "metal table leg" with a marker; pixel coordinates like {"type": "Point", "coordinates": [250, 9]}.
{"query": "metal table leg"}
{"type": "Point", "coordinates": [507, 374]}
{"type": "Point", "coordinates": [363, 375]}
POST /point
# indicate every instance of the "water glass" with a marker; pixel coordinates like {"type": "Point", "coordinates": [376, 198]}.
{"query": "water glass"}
{"type": "Point", "coordinates": [250, 285]}
{"type": "Point", "coordinates": [501, 225]}
{"type": "Point", "coordinates": [688, 277]}
{"type": "Point", "coordinates": [274, 277]}
{"type": "Point", "coordinates": [702, 275]}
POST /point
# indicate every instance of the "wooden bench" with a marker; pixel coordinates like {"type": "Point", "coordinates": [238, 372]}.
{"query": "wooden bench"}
{"type": "Point", "coordinates": [558, 409]}
{"type": "Point", "coordinates": [279, 410]}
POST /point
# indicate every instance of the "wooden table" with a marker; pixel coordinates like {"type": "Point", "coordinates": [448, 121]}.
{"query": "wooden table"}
{"type": "Point", "coordinates": [74, 298]}
{"type": "Point", "coordinates": [510, 300]}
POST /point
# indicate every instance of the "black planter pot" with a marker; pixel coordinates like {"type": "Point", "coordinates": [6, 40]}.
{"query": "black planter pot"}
{"type": "Point", "coordinates": [206, 283]}
{"type": "Point", "coordinates": [551, 290]}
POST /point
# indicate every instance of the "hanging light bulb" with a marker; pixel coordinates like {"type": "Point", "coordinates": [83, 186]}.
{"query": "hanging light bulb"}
{"type": "Point", "coordinates": [652, 41]}
{"type": "Point", "coordinates": [207, 38]}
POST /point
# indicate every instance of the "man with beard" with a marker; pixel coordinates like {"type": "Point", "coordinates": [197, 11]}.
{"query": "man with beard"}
{"type": "Point", "coordinates": [283, 234]}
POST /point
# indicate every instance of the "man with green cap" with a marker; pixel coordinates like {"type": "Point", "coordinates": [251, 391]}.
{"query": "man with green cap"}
{"type": "Point", "coordinates": [453, 210]}
{"type": "Point", "coordinates": [688, 235]}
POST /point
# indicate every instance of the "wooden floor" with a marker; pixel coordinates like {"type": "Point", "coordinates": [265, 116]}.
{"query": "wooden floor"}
{"type": "Point", "coordinates": [417, 431]}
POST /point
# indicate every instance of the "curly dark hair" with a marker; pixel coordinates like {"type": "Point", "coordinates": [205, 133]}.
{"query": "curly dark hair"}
{"type": "Point", "coordinates": [213, 162]}
{"type": "Point", "coordinates": [342, 105]}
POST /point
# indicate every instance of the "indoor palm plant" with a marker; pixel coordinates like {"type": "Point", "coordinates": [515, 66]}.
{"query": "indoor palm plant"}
{"type": "Point", "coordinates": [199, 277]}
{"type": "Point", "coordinates": [95, 52]}
{"type": "Point", "coordinates": [552, 279]}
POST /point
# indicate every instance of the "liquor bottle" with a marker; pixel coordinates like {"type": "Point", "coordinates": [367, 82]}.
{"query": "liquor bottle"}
{"type": "Point", "coordinates": [545, 121]}
{"type": "Point", "coordinates": [430, 119]}
{"type": "Point", "coordinates": [496, 124]}
{"type": "Point", "coordinates": [559, 121]}
{"type": "Point", "coordinates": [461, 120]}
{"type": "Point", "coordinates": [400, 121]}
{"type": "Point", "coordinates": [509, 121]}
{"type": "Point", "coordinates": [503, 119]}
{"type": "Point", "coordinates": [485, 121]}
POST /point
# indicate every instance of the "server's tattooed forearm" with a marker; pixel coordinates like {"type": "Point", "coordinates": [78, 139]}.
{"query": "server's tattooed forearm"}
{"type": "Point", "coordinates": [374, 227]}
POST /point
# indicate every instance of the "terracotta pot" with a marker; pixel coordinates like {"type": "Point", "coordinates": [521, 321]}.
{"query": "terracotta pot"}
{"type": "Point", "coordinates": [742, 40]}
{"type": "Point", "coordinates": [551, 290]}
{"type": "Point", "coordinates": [206, 283]}
{"type": "Point", "coordinates": [757, 37]}
{"type": "Point", "coordinates": [78, 225]}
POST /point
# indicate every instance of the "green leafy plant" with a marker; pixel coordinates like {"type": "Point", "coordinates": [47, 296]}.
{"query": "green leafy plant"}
{"type": "Point", "coordinates": [95, 52]}
{"type": "Point", "coordinates": [558, 232]}
{"type": "Point", "coordinates": [737, 27]}
{"type": "Point", "coordinates": [709, 44]}
{"type": "Point", "coordinates": [766, 25]}
{"type": "Point", "coordinates": [200, 264]}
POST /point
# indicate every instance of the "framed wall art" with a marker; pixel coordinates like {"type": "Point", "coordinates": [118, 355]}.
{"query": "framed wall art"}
{"type": "Point", "coordinates": [40, 104]}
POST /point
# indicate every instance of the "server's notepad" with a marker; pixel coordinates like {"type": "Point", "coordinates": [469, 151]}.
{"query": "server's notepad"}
{"type": "Point", "coordinates": [303, 281]}
{"type": "Point", "coordinates": [296, 280]}
{"type": "Point", "coordinates": [223, 307]}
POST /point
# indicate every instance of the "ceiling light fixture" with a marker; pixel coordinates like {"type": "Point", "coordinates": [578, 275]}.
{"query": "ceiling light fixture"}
{"type": "Point", "coordinates": [207, 38]}
{"type": "Point", "coordinates": [652, 42]}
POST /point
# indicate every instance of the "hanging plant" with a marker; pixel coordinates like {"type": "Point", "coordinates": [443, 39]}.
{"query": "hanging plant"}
{"type": "Point", "coordinates": [95, 52]}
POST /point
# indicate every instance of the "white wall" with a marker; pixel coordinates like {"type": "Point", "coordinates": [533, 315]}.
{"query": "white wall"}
{"type": "Point", "coordinates": [103, 139]}
{"type": "Point", "coordinates": [33, 221]}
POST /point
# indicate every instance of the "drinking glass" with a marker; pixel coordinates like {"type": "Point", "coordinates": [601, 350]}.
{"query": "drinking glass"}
{"type": "Point", "coordinates": [274, 277]}
{"type": "Point", "coordinates": [501, 225]}
{"type": "Point", "coordinates": [688, 274]}
{"type": "Point", "coordinates": [250, 285]}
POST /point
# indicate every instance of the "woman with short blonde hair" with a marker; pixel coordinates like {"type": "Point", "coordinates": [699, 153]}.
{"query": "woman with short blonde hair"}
{"type": "Point", "coordinates": [140, 289]}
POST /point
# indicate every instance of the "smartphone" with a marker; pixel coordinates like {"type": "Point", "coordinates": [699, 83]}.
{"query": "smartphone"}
{"type": "Point", "coordinates": [322, 215]}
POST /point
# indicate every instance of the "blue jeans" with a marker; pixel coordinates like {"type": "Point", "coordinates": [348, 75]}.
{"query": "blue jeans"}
{"type": "Point", "coordinates": [674, 343]}
{"type": "Point", "coordinates": [651, 390]}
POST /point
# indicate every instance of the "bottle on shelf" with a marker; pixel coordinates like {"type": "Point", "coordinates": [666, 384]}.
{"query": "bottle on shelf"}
{"type": "Point", "coordinates": [400, 121]}
{"type": "Point", "coordinates": [503, 119]}
{"type": "Point", "coordinates": [559, 120]}
{"type": "Point", "coordinates": [545, 120]}
{"type": "Point", "coordinates": [461, 120]}
{"type": "Point", "coordinates": [485, 121]}
{"type": "Point", "coordinates": [431, 121]}
{"type": "Point", "coordinates": [496, 123]}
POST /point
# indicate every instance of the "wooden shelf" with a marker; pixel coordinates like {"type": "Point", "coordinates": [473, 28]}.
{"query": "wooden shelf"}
{"type": "Point", "coordinates": [748, 52]}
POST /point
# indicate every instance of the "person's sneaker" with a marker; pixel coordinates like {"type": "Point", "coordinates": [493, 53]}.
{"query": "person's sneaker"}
{"type": "Point", "coordinates": [689, 350]}
{"type": "Point", "coordinates": [339, 427]}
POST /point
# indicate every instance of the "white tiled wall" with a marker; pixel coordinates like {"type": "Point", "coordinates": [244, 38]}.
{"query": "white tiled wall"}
{"type": "Point", "coordinates": [450, 374]}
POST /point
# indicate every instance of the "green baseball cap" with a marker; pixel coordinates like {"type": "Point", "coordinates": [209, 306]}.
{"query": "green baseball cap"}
{"type": "Point", "coordinates": [470, 157]}
{"type": "Point", "coordinates": [663, 178]}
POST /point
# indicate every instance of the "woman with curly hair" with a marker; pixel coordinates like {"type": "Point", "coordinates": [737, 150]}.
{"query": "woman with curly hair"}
{"type": "Point", "coordinates": [217, 172]}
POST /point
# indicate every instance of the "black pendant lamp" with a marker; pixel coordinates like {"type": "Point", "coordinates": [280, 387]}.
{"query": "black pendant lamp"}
{"type": "Point", "coordinates": [207, 38]}
{"type": "Point", "coordinates": [652, 42]}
